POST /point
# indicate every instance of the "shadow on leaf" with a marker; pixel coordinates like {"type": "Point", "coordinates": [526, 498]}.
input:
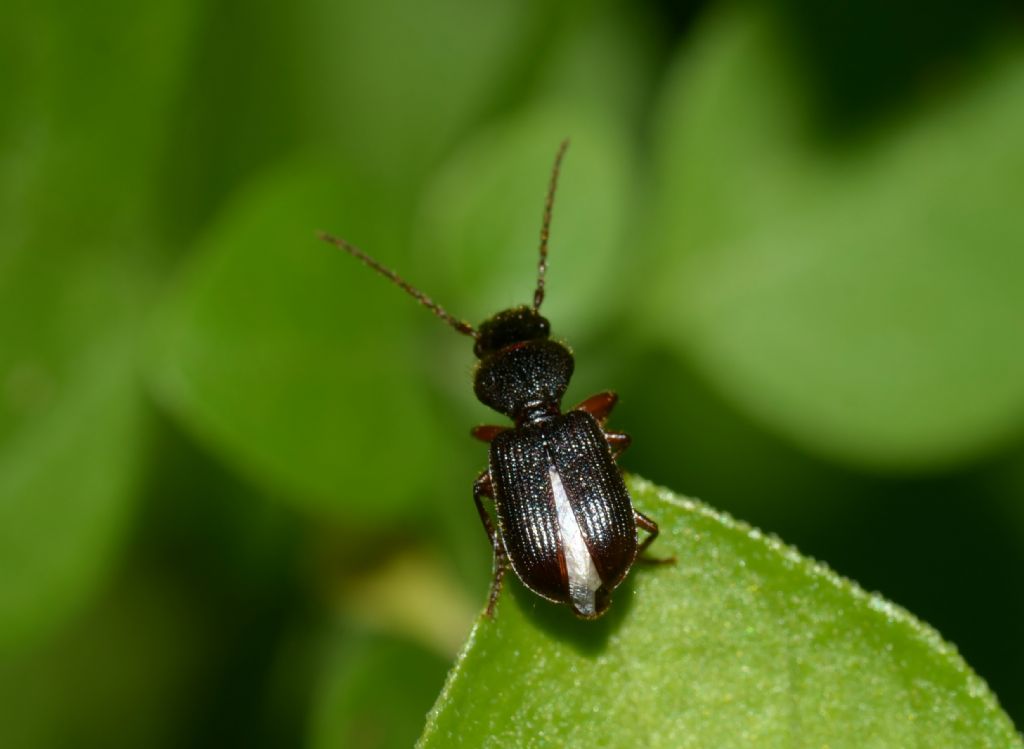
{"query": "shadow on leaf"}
{"type": "Point", "coordinates": [587, 637]}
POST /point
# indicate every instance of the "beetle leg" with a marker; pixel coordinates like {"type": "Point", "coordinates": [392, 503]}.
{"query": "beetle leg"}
{"type": "Point", "coordinates": [652, 533]}
{"type": "Point", "coordinates": [482, 488]}
{"type": "Point", "coordinates": [486, 433]}
{"type": "Point", "coordinates": [599, 406]}
{"type": "Point", "coordinates": [619, 441]}
{"type": "Point", "coordinates": [500, 567]}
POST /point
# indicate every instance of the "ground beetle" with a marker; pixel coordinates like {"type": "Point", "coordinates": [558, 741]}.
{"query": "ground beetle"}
{"type": "Point", "coordinates": [566, 523]}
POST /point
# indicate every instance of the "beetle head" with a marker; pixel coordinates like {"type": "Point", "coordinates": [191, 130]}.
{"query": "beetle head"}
{"type": "Point", "coordinates": [508, 327]}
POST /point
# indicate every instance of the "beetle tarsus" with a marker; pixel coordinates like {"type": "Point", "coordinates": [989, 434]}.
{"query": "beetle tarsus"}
{"type": "Point", "coordinates": [652, 529]}
{"type": "Point", "coordinates": [500, 567]}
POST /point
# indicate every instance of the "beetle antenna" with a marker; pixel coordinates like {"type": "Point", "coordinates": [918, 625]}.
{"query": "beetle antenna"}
{"type": "Point", "coordinates": [460, 326]}
{"type": "Point", "coordinates": [545, 229]}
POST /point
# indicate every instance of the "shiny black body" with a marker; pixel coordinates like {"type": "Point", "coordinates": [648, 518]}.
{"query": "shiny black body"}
{"type": "Point", "coordinates": [574, 446]}
{"type": "Point", "coordinates": [565, 521]}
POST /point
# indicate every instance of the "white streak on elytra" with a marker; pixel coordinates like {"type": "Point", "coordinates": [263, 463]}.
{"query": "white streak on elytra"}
{"type": "Point", "coordinates": [583, 577]}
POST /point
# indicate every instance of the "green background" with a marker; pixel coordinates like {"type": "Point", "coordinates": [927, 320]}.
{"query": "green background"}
{"type": "Point", "coordinates": [235, 474]}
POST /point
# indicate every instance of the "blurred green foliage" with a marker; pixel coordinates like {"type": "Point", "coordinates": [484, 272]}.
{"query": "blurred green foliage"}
{"type": "Point", "coordinates": [842, 290]}
{"type": "Point", "coordinates": [788, 237]}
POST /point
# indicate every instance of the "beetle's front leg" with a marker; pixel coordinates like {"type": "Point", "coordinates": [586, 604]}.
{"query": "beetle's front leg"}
{"type": "Point", "coordinates": [486, 433]}
{"type": "Point", "coordinates": [482, 488]}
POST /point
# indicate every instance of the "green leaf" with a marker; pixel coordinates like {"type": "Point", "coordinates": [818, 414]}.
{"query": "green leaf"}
{"type": "Point", "coordinates": [291, 359]}
{"type": "Point", "coordinates": [374, 693]}
{"type": "Point", "coordinates": [742, 642]}
{"type": "Point", "coordinates": [604, 56]}
{"type": "Point", "coordinates": [392, 83]}
{"type": "Point", "coordinates": [66, 485]}
{"type": "Point", "coordinates": [76, 195]}
{"type": "Point", "coordinates": [131, 672]}
{"type": "Point", "coordinates": [860, 295]}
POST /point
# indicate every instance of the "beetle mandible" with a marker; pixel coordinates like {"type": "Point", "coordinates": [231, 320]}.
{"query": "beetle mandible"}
{"type": "Point", "coordinates": [565, 520]}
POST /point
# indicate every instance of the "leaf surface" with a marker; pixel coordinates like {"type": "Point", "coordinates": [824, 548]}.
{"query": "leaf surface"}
{"type": "Point", "coordinates": [742, 642]}
{"type": "Point", "coordinates": [76, 198]}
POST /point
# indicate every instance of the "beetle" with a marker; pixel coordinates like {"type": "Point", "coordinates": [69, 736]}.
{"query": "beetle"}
{"type": "Point", "coordinates": [565, 520]}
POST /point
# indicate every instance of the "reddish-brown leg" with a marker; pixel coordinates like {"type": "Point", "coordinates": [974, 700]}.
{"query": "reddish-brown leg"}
{"type": "Point", "coordinates": [482, 488]}
{"type": "Point", "coordinates": [619, 441]}
{"type": "Point", "coordinates": [651, 527]}
{"type": "Point", "coordinates": [599, 406]}
{"type": "Point", "coordinates": [487, 432]}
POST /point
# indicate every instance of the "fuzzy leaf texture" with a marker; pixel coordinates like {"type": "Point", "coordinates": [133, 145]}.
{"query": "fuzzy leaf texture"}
{"type": "Point", "coordinates": [743, 642]}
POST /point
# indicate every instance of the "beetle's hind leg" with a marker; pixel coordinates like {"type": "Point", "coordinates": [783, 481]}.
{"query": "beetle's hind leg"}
{"type": "Point", "coordinates": [652, 529]}
{"type": "Point", "coordinates": [482, 488]}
